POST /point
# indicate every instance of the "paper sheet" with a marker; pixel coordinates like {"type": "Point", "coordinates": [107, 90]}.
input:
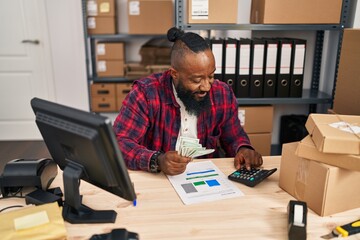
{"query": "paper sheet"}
{"type": "Point", "coordinates": [203, 182]}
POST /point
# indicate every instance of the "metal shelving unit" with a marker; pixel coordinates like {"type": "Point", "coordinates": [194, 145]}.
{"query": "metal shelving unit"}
{"type": "Point", "coordinates": [310, 96]}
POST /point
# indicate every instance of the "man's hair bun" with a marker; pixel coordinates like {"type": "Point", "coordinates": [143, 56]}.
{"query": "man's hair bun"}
{"type": "Point", "coordinates": [174, 34]}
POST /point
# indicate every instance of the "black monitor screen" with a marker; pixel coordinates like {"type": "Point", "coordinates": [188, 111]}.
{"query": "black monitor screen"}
{"type": "Point", "coordinates": [84, 146]}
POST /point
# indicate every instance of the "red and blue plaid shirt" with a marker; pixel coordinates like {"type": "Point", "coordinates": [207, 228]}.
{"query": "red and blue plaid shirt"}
{"type": "Point", "coordinates": [150, 119]}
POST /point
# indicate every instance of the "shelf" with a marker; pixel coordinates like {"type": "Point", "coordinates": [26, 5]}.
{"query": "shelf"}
{"type": "Point", "coordinates": [113, 79]}
{"type": "Point", "coordinates": [123, 36]}
{"type": "Point", "coordinates": [308, 97]}
{"type": "Point", "coordinates": [280, 27]}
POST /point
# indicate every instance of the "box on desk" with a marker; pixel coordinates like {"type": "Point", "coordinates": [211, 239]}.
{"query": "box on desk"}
{"type": "Point", "coordinates": [295, 12]}
{"type": "Point", "coordinates": [307, 149]}
{"type": "Point", "coordinates": [326, 189]}
{"type": "Point", "coordinates": [333, 133]}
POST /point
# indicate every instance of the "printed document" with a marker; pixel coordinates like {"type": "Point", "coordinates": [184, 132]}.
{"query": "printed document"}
{"type": "Point", "coordinates": [203, 182]}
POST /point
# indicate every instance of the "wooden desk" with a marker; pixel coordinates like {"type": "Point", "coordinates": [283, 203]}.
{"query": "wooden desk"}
{"type": "Point", "coordinates": [160, 213]}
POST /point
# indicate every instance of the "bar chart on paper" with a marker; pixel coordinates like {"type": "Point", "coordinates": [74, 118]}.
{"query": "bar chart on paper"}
{"type": "Point", "coordinates": [203, 182]}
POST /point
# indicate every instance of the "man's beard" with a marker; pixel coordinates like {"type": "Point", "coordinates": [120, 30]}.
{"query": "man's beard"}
{"type": "Point", "coordinates": [192, 105]}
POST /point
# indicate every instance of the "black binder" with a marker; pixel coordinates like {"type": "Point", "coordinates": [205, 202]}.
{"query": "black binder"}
{"type": "Point", "coordinates": [243, 79]}
{"type": "Point", "coordinates": [297, 67]}
{"type": "Point", "coordinates": [257, 68]}
{"type": "Point", "coordinates": [230, 63]}
{"type": "Point", "coordinates": [270, 67]}
{"type": "Point", "coordinates": [284, 67]}
{"type": "Point", "coordinates": [217, 47]}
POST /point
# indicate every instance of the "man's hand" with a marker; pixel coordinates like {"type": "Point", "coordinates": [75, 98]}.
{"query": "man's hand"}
{"type": "Point", "coordinates": [248, 157]}
{"type": "Point", "coordinates": [171, 163]}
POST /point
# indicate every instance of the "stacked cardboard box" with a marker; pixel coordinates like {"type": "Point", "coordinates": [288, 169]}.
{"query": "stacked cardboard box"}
{"type": "Point", "coordinates": [293, 12]}
{"type": "Point", "coordinates": [108, 97]}
{"type": "Point", "coordinates": [257, 122]}
{"type": "Point", "coordinates": [101, 16]}
{"type": "Point", "coordinates": [110, 59]}
{"type": "Point", "coordinates": [150, 16]}
{"type": "Point", "coordinates": [324, 167]}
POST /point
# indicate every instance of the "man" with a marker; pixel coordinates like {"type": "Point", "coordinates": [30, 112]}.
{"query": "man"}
{"type": "Point", "coordinates": [185, 101]}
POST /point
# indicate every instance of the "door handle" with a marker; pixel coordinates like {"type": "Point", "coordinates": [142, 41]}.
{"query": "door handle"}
{"type": "Point", "coordinates": [36, 42]}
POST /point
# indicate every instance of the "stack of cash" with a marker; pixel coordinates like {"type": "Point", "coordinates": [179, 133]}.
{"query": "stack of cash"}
{"type": "Point", "coordinates": [190, 147]}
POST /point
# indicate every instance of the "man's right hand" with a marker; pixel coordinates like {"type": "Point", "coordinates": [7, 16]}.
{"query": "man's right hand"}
{"type": "Point", "coordinates": [171, 163]}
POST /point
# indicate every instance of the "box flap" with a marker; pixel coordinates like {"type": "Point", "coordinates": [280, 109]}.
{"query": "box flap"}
{"type": "Point", "coordinates": [307, 149]}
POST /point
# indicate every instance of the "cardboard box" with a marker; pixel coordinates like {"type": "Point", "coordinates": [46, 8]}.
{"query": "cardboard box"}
{"type": "Point", "coordinates": [136, 70]}
{"type": "Point", "coordinates": [347, 88]}
{"type": "Point", "coordinates": [261, 142]}
{"type": "Point", "coordinates": [100, 8]}
{"type": "Point", "coordinates": [122, 89]}
{"type": "Point", "coordinates": [306, 149]}
{"type": "Point", "coordinates": [110, 51]}
{"type": "Point", "coordinates": [335, 133]}
{"type": "Point", "coordinates": [110, 68]}
{"type": "Point", "coordinates": [326, 189]}
{"type": "Point", "coordinates": [256, 119]}
{"type": "Point", "coordinates": [103, 104]}
{"type": "Point", "coordinates": [101, 25]}
{"type": "Point", "coordinates": [150, 16]}
{"type": "Point", "coordinates": [103, 90]}
{"type": "Point", "coordinates": [212, 11]}
{"type": "Point", "coordinates": [295, 12]}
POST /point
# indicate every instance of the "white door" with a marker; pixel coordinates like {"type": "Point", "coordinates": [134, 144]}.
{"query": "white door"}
{"type": "Point", "coordinates": [25, 66]}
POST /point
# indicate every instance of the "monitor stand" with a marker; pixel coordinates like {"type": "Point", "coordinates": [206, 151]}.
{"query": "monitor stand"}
{"type": "Point", "coordinates": [73, 210]}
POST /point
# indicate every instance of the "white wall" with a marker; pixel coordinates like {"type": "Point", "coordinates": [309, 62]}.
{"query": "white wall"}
{"type": "Point", "coordinates": [68, 52]}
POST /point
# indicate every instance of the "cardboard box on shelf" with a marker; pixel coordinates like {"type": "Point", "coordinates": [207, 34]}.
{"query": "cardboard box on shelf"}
{"type": "Point", "coordinates": [347, 95]}
{"type": "Point", "coordinates": [100, 8]}
{"type": "Point", "coordinates": [261, 142]}
{"type": "Point", "coordinates": [295, 12]}
{"type": "Point", "coordinates": [110, 68]}
{"type": "Point", "coordinates": [150, 16]}
{"type": "Point", "coordinates": [136, 70]}
{"type": "Point", "coordinates": [326, 189]}
{"type": "Point", "coordinates": [110, 51]}
{"type": "Point", "coordinates": [101, 25]}
{"type": "Point", "coordinates": [103, 90]}
{"type": "Point", "coordinates": [334, 133]}
{"type": "Point", "coordinates": [307, 149]}
{"type": "Point", "coordinates": [103, 104]}
{"type": "Point", "coordinates": [256, 119]}
{"type": "Point", "coordinates": [122, 89]}
{"type": "Point", "coordinates": [212, 11]}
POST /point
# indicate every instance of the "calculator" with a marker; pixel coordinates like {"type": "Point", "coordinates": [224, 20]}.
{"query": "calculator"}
{"type": "Point", "coordinates": [251, 177]}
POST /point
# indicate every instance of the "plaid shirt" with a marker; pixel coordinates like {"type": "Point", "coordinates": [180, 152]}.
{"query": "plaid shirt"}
{"type": "Point", "coordinates": [150, 119]}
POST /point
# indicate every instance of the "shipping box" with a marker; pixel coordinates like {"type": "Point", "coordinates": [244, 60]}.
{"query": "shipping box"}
{"type": "Point", "coordinates": [326, 189]}
{"type": "Point", "coordinates": [295, 12]}
{"type": "Point", "coordinates": [110, 51]}
{"type": "Point", "coordinates": [306, 149]}
{"type": "Point", "coordinates": [261, 142]}
{"type": "Point", "coordinates": [150, 16]}
{"type": "Point", "coordinates": [333, 133]}
{"type": "Point", "coordinates": [212, 11]}
{"type": "Point", "coordinates": [256, 119]}
{"type": "Point", "coordinates": [100, 8]}
{"type": "Point", "coordinates": [101, 25]}
{"type": "Point", "coordinates": [110, 68]}
{"type": "Point", "coordinates": [347, 97]}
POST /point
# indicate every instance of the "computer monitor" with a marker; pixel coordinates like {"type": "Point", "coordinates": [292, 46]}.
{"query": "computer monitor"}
{"type": "Point", "coordinates": [84, 146]}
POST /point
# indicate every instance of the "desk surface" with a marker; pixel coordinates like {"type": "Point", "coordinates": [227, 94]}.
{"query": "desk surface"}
{"type": "Point", "coordinates": [160, 213]}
